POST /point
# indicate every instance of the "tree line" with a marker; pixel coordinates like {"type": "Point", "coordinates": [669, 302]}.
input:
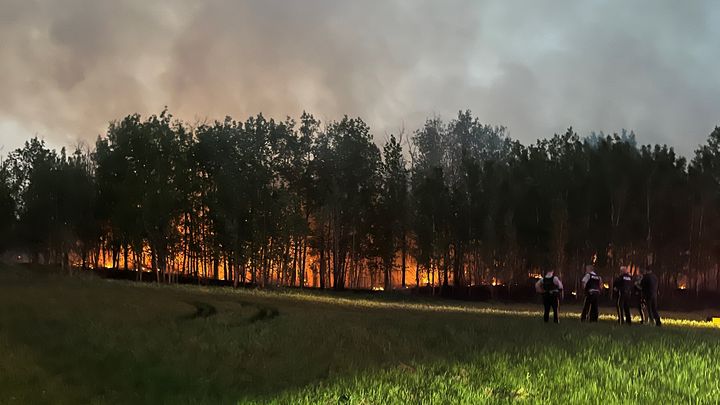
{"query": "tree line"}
{"type": "Point", "coordinates": [305, 203]}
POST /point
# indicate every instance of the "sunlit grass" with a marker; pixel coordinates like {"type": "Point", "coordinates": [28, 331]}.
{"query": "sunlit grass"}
{"type": "Point", "coordinates": [438, 306]}
{"type": "Point", "coordinates": [85, 340]}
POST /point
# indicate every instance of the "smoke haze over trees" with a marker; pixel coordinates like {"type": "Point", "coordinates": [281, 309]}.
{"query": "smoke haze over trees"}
{"type": "Point", "coordinates": [651, 65]}
{"type": "Point", "coordinates": [305, 202]}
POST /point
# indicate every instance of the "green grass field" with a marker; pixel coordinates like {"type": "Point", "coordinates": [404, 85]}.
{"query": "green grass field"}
{"type": "Point", "coordinates": [86, 340]}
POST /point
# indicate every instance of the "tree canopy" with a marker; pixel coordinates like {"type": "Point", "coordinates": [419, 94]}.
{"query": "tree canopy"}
{"type": "Point", "coordinates": [305, 203]}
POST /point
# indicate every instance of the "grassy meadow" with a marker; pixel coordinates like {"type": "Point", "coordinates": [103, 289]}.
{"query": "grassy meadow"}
{"type": "Point", "coordinates": [82, 339]}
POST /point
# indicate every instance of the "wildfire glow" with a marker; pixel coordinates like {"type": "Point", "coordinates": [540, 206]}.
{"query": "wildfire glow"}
{"type": "Point", "coordinates": [178, 264]}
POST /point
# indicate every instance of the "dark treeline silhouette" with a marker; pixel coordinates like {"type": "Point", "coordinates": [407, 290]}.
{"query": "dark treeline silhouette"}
{"type": "Point", "coordinates": [300, 203]}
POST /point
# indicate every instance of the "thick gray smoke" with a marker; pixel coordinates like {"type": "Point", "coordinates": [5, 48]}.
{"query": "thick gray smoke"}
{"type": "Point", "coordinates": [68, 67]}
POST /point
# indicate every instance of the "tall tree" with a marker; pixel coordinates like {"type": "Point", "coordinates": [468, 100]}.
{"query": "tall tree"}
{"type": "Point", "coordinates": [7, 207]}
{"type": "Point", "coordinates": [391, 222]}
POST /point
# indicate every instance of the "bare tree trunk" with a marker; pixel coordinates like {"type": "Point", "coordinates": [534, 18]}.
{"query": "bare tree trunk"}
{"type": "Point", "coordinates": [96, 257]}
{"type": "Point", "coordinates": [417, 275]}
{"type": "Point", "coordinates": [216, 266]}
{"type": "Point", "coordinates": [457, 266]}
{"type": "Point", "coordinates": [139, 263]}
{"type": "Point", "coordinates": [431, 270]}
{"type": "Point", "coordinates": [403, 252]}
{"type": "Point", "coordinates": [125, 257]}
{"type": "Point", "coordinates": [303, 262]}
{"type": "Point", "coordinates": [293, 274]}
{"type": "Point", "coordinates": [153, 263]}
{"type": "Point", "coordinates": [446, 264]}
{"type": "Point", "coordinates": [322, 264]}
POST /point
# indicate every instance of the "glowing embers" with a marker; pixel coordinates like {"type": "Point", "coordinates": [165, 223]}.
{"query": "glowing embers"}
{"type": "Point", "coordinates": [682, 282]}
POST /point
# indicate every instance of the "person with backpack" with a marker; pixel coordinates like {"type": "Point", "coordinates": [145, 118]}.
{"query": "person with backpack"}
{"type": "Point", "coordinates": [623, 289]}
{"type": "Point", "coordinates": [592, 284]}
{"type": "Point", "coordinates": [551, 289]}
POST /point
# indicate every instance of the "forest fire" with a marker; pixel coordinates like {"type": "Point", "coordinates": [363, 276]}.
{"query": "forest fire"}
{"type": "Point", "coordinates": [182, 264]}
{"type": "Point", "coordinates": [415, 202]}
{"type": "Point", "coordinates": [279, 235]}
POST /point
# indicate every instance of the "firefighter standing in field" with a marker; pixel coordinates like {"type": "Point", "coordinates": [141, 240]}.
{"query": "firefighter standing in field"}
{"type": "Point", "coordinates": [641, 305]}
{"type": "Point", "coordinates": [551, 289]}
{"type": "Point", "coordinates": [649, 286]}
{"type": "Point", "coordinates": [592, 284]}
{"type": "Point", "coordinates": [623, 288]}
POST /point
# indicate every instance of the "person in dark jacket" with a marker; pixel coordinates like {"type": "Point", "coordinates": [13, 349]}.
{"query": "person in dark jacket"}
{"type": "Point", "coordinates": [649, 286]}
{"type": "Point", "coordinates": [551, 289]}
{"type": "Point", "coordinates": [592, 284]}
{"type": "Point", "coordinates": [623, 288]}
{"type": "Point", "coordinates": [640, 300]}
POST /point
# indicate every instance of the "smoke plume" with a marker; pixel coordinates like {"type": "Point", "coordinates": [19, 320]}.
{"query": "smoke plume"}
{"type": "Point", "coordinates": [68, 67]}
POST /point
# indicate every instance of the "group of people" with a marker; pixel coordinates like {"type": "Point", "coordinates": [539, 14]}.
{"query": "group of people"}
{"type": "Point", "coordinates": [641, 291]}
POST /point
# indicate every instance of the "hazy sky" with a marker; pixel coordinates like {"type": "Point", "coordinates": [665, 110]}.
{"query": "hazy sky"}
{"type": "Point", "coordinates": [68, 67]}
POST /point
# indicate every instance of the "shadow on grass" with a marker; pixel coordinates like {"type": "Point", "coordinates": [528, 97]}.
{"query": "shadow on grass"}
{"type": "Point", "coordinates": [202, 310]}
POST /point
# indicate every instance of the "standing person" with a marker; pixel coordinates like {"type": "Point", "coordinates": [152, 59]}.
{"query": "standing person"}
{"type": "Point", "coordinates": [641, 305]}
{"type": "Point", "coordinates": [551, 288]}
{"type": "Point", "coordinates": [649, 286]}
{"type": "Point", "coordinates": [623, 287]}
{"type": "Point", "coordinates": [592, 284]}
